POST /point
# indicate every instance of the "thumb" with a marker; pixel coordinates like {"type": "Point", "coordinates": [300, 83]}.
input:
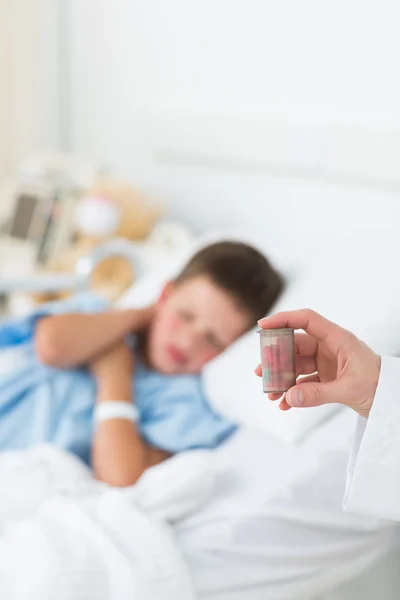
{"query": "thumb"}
{"type": "Point", "coordinates": [312, 394]}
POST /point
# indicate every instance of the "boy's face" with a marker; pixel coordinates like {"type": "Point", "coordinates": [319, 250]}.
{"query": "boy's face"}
{"type": "Point", "coordinates": [194, 321]}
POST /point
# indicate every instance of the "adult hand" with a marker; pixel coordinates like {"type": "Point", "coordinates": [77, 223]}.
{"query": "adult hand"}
{"type": "Point", "coordinates": [332, 364]}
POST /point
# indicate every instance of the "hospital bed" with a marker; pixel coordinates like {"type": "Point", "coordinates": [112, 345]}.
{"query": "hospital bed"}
{"type": "Point", "coordinates": [272, 528]}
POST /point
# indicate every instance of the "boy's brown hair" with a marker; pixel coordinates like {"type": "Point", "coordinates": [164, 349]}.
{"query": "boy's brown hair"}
{"type": "Point", "coordinates": [240, 270]}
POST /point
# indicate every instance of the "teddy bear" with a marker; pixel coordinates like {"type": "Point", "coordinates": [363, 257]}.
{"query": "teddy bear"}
{"type": "Point", "coordinates": [109, 209]}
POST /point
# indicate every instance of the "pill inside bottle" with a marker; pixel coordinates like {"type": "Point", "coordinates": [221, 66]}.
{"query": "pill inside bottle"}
{"type": "Point", "coordinates": [277, 359]}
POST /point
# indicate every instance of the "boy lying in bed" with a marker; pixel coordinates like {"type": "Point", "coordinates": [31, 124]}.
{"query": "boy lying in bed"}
{"type": "Point", "coordinates": [133, 364]}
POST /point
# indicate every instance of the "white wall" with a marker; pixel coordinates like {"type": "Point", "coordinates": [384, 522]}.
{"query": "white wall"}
{"type": "Point", "coordinates": [307, 64]}
{"type": "Point", "coordinates": [28, 81]}
{"type": "Point", "coordinates": [309, 60]}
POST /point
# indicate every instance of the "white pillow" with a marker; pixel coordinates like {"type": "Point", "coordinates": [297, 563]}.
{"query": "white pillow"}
{"type": "Point", "coordinates": [145, 291]}
{"type": "Point", "coordinates": [360, 291]}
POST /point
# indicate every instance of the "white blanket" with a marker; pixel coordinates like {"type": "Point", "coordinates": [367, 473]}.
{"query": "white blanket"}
{"type": "Point", "coordinates": [274, 528]}
{"type": "Point", "coordinates": [64, 535]}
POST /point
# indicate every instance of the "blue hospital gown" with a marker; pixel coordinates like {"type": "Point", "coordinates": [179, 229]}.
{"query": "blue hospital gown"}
{"type": "Point", "coordinates": [43, 404]}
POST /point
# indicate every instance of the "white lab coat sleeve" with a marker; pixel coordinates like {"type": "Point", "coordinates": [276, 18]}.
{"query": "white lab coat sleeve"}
{"type": "Point", "coordinates": [373, 475]}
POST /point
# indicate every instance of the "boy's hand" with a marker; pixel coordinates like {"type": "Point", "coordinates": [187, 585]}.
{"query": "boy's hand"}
{"type": "Point", "coordinates": [72, 339]}
{"type": "Point", "coordinates": [116, 360]}
{"type": "Point", "coordinates": [140, 318]}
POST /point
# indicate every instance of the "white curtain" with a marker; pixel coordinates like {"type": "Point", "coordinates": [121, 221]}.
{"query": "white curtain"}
{"type": "Point", "coordinates": [25, 59]}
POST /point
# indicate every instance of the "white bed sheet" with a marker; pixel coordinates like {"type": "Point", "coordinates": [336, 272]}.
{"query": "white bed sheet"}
{"type": "Point", "coordinates": [274, 528]}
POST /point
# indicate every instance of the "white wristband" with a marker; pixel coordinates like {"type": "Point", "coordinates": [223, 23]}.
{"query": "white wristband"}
{"type": "Point", "coordinates": [115, 409]}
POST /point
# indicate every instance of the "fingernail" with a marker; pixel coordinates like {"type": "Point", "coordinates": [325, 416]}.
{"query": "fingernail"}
{"type": "Point", "coordinates": [260, 322]}
{"type": "Point", "coordinates": [295, 397]}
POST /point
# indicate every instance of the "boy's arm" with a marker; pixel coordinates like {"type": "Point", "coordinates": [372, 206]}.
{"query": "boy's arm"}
{"type": "Point", "coordinates": [69, 340]}
{"type": "Point", "coordinates": [119, 455]}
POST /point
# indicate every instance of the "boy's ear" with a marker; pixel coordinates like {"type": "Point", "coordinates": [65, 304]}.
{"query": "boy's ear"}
{"type": "Point", "coordinates": [166, 291]}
